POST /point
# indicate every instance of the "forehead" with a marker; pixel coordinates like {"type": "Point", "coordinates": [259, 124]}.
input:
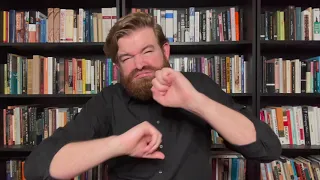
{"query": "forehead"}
{"type": "Point", "coordinates": [137, 40]}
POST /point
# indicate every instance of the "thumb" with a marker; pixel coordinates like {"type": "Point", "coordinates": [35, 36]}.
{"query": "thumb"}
{"type": "Point", "coordinates": [154, 155]}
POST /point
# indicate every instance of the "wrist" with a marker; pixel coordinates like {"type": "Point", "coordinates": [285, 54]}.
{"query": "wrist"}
{"type": "Point", "coordinates": [114, 145]}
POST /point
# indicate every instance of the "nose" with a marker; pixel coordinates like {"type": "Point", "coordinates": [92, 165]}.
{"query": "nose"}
{"type": "Point", "coordinates": [139, 61]}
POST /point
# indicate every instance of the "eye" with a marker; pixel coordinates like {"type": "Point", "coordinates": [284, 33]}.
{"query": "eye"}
{"type": "Point", "coordinates": [148, 52]}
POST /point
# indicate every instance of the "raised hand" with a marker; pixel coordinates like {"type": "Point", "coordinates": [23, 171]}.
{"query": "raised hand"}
{"type": "Point", "coordinates": [170, 88]}
{"type": "Point", "coordinates": [142, 141]}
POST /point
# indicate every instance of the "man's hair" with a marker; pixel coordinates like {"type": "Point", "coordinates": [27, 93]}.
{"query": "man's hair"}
{"type": "Point", "coordinates": [127, 24]}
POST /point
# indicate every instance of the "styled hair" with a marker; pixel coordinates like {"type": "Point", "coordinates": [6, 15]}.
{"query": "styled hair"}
{"type": "Point", "coordinates": [126, 25]}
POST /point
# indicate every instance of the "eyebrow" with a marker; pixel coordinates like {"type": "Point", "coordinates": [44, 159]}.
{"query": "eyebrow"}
{"type": "Point", "coordinates": [126, 54]}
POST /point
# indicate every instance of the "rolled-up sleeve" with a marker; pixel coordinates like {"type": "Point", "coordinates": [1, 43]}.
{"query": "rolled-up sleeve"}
{"type": "Point", "coordinates": [267, 146]}
{"type": "Point", "coordinates": [90, 123]}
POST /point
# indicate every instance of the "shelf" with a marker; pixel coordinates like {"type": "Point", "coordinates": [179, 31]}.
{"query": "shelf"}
{"type": "Point", "coordinates": [29, 148]}
{"type": "Point", "coordinates": [300, 147]}
{"type": "Point", "coordinates": [283, 4]}
{"type": "Point", "coordinates": [39, 4]}
{"type": "Point", "coordinates": [312, 95]}
{"type": "Point", "coordinates": [15, 96]}
{"type": "Point", "coordinates": [184, 3]}
{"type": "Point", "coordinates": [290, 47]}
{"type": "Point", "coordinates": [97, 48]}
{"type": "Point", "coordinates": [16, 148]}
{"type": "Point", "coordinates": [28, 96]}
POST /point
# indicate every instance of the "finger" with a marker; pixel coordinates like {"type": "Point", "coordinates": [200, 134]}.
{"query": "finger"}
{"type": "Point", "coordinates": [166, 74]}
{"type": "Point", "coordinates": [159, 77]}
{"type": "Point", "coordinates": [157, 144]}
{"type": "Point", "coordinates": [154, 155]}
{"type": "Point", "coordinates": [158, 86]}
{"type": "Point", "coordinates": [154, 138]}
{"type": "Point", "coordinates": [148, 143]}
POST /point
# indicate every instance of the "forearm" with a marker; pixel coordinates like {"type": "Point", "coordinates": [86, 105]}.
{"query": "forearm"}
{"type": "Point", "coordinates": [232, 125]}
{"type": "Point", "coordinates": [75, 158]}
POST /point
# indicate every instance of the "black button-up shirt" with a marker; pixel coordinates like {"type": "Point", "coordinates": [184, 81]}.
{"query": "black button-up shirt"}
{"type": "Point", "coordinates": [186, 138]}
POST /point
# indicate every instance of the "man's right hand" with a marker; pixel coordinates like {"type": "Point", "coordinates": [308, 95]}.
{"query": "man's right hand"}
{"type": "Point", "coordinates": [141, 141]}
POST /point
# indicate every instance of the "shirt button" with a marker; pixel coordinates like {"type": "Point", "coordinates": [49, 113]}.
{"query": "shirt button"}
{"type": "Point", "coordinates": [161, 146]}
{"type": "Point", "coordinates": [160, 172]}
{"type": "Point", "coordinates": [158, 122]}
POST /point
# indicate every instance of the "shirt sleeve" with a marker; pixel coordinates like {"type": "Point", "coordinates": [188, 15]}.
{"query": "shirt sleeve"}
{"type": "Point", "coordinates": [267, 146]}
{"type": "Point", "coordinates": [89, 124]}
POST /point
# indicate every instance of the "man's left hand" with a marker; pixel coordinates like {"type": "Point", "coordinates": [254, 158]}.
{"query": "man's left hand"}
{"type": "Point", "coordinates": [171, 89]}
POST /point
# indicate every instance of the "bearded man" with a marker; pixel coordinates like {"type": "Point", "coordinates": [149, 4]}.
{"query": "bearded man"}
{"type": "Point", "coordinates": [155, 124]}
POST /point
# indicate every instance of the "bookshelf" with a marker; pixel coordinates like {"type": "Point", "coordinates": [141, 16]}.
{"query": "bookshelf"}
{"type": "Point", "coordinates": [249, 44]}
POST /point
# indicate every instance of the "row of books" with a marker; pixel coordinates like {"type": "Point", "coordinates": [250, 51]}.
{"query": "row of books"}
{"type": "Point", "coordinates": [281, 75]}
{"type": "Point", "coordinates": [199, 24]}
{"type": "Point", "coordinates": [31, 124]}
{"type": "Point", "coordinates": [291, 23]}
{"type": "Point", "coordinates": [58, 25]}
{"type": "Point", "coordinates": [223, 167]}
{"type": "Point", "coordinates": [294, 125]}
{"type": "Point", "coordinates": [58, 75]}
{"type": "Point", "coordinates": [15, 171]}
{"type": "Point", "coordinates": [291, 168]}
{"type": "Point", "coordinates": [228, 166]}
{"type": "Point", "coordinates": [230, 72]}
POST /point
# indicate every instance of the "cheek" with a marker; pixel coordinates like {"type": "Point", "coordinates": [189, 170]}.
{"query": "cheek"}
{"type": "Point", "coordinates": [156, 60]}
{"type": "Point", "coordinates": [127, 69]}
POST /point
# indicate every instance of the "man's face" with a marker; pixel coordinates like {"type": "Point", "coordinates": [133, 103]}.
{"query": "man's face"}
{"type": "Point", "coordinates": [139, 57]}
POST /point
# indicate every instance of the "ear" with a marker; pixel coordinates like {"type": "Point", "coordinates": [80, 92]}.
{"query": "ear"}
{"type": "Point", "coordinates": [117, 65]}
{"type": "Point", "coordinates": [166, 50]}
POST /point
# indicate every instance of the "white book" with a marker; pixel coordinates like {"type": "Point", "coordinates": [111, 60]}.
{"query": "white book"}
{"type": "Point", "coordinates": [301, 128]}
{"type": "Point", "coordinates": [297, 76]}
{"type": "Point", "coordinates": [191, 23]}
{"type": "Point", "coordinates": [281, 87]}
{"type": "Point", "coordinates": [80, 27]}
{"type": "Point", "coordinates": [155, 12]}
{"type": "Point", "coordinates": [169, 24]}
{"type": "Point", "coordinates": [318, 125]}
{"type": "Point", "coordinates": [75, 28]}
{"type": "Point", "coordinates": [208, 25]}
{"type": "Point", "coordinates": [62, 25]}
{"type": "Point", "coordinates": [158, 16]}
{"type": "Point", "coordinates": [114, 16]}
{"type": "Point", "coordinates": [175, 26]}
{"type": "Point", "coordinates": [50, 75]}
{"type": "Point", "coordinates": [163, 21]}
{"type": "Point", "coordinates": [106, 21]}
{"type": "Point", "coordinates": [233, 24]}
{"type": "Point", "coordinates": [311, 125]}
{"type": "Point", "coordinates": [182, 15]}
{"type": "Point", "coordinates": [69, 25]}
{"type": "Point", "coordinates": [196, 26]}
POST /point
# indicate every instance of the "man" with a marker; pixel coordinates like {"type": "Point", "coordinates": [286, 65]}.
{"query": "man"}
{"type": "Point", "coordinates": [155, 124]}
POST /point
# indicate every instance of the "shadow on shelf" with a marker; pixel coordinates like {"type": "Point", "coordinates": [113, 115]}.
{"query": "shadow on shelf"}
{"type": "Point", "coordinates": [70, 49]}
{"type": "Point", "coordinates": [290, 99]}
{"type": "Point", "coordinates": [293, 48]}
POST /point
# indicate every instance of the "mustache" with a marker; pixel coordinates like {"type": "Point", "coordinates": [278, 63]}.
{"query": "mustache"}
{"type": "Point", "coordinates": [135, 71]}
